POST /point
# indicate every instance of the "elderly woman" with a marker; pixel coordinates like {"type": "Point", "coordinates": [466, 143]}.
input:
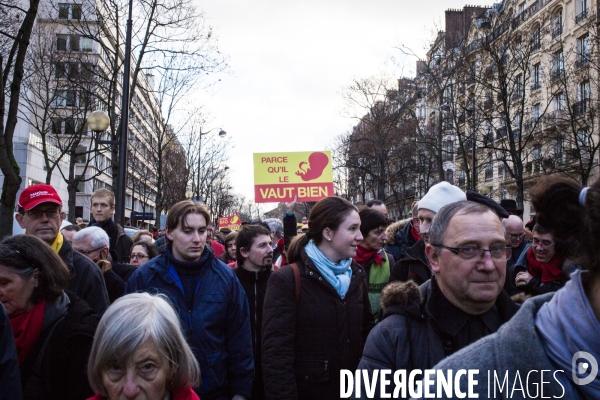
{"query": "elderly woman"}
{"type": "Point", "coordinates": [140, 352]}
{"type": "Point", "coordinates": [53, 330]}
{"type": "Point", "coordinates": [371, 256]}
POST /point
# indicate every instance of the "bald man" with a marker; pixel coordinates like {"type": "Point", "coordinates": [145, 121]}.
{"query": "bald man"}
{"type": "Point", "coordinates": [515, 238]}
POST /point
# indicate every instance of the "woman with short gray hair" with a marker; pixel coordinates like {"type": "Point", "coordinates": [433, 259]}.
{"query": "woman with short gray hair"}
{"type": "Point", "coordinates": [139, 349]}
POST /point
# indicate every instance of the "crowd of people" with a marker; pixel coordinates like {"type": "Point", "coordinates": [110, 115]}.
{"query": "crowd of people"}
{"type": "Point", "coordinates": [276, 309]}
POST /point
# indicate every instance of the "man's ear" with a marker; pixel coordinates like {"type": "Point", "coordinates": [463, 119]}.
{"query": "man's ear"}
{"type": "Point", "coordinates": [434, 258]}
{"type": "Point", "coordinates": [244, 253]}
{"type": "Point", "coordinates": [19, 218]}
{"type": "Point", "coordinates": [168, 235]}
{"type": "Point", "coordinates": [104, 253]}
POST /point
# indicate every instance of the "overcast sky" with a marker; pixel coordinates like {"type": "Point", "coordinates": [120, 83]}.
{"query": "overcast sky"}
{"type": "Point", "coordinates": [290, 61]}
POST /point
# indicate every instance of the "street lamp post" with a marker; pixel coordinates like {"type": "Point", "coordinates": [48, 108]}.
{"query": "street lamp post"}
{"type": "Point", "coordinates": [222, 134]}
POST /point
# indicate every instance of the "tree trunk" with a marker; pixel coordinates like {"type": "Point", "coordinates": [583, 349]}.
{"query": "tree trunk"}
{"type": "Point", "coordinates": [8, 165]}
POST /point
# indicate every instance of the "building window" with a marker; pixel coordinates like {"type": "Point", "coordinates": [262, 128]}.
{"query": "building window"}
{"type": "Point", "coordinates": [536, 39]}
{"type": "Point", "coordinates": [535, 112]}
{"type": "Point", "coordinates": [582, 11]}
{"type": "Point", "coordinates": [536, 77]}
{"type": "Point", "coordinates": [558, 65]}
{"type": "Point", "coordinates": [65, 98]}
{"type": "Point", "coordinates": [69, 11]}
{"type": "Point", "coordinates": [557, 24]}
{"type": "Point", "coordinates": [518, 87]}
{"type": "Point", "coordinates": [584, 91]}
{"type": "Point", "coordinates": [57, 126]}
{"type": "Point", "coordinates": [489, 169]}
{"type": "Point", "coordinates": [87, 44]}
{"type": "Point", "coordinates": [72, 43]}
{"type": "Point", "coordinates": [583, 50]}
{"type": "Point", "coordinates": [448, 150]}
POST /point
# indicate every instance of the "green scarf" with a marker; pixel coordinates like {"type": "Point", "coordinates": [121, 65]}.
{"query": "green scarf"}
{"type": "Point", "coordinates": [379, 276]}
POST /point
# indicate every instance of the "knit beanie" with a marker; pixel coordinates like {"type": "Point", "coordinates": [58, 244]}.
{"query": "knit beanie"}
{"type": "Point", "coordinates": [440, 195]}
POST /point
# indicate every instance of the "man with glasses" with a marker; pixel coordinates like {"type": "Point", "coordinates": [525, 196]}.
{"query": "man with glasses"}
{"type": "Point", "coordinates": [40, 214]}
{"type": "Point", "coordinates": [94, 243]}
{"type": "Point", "coordinates": [540, 269]}
{"type": "Point", "coordinates": [515, 238]}
{"type": "Point", "coordinates": [463, 302]}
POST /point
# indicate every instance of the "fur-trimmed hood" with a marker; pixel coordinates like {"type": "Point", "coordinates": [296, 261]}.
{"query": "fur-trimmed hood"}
{"type": "Point", "coordinates": [394, 228]}
{"type": "Point", "coordinates": [400, 294]}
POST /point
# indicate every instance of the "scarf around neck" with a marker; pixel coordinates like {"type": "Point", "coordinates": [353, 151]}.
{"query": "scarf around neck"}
{"type": "Point", "coordinates": [363, 255]}
{"type": "Point", "coordinates": [547, 272]}
{"type": "Point", "coordinates": [338, 275]}
{"type": "Point", "coordinates": [566, 325]}
{"type": "Point", "coordinates": [27, 328]}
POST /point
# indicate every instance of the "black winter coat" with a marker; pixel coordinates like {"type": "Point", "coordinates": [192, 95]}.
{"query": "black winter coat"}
{"type": "Point", "coordinates": [255, 286]}
{"type": "Point", "coordinates": [62, 371]}
{"type": "Point", "coordinates": [306, 343]}
{"type": "Point", "coordinates": [10, 378]}
{"type": "Point", "coordinates": [412, 267]}
{"type": "Point", "coordinates": [407, 338]}
{"type": "Point", "coordinates": [87, 281]}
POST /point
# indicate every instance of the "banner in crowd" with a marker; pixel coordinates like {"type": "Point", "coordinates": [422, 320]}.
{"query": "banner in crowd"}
{"type": "Point", "coordinates": [278, 177]}
{"type": "Point", "coordinates": [232, 222]}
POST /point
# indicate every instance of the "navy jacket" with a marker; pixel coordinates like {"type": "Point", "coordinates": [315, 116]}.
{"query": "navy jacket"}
{"type": "Point", "coordinates": [217, 327]}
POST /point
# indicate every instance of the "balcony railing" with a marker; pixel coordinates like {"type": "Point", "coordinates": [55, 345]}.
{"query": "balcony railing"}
{"type": "Point", "coordinates": [582, 15]}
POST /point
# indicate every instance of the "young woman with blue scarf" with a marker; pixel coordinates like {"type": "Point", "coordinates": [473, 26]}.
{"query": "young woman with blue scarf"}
{"type": "Point", "coordinates": [316, 314]}
{"type": "Point", "coordinates": [553, 338]}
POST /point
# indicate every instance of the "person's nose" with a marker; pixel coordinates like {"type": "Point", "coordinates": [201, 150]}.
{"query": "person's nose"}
{"type": "Point", "coordinates": [131, 388]}
{"type": "Point", "coordinates": [424, 227]}
{"type": "Point", "coordinates": [384, 238]}
{"type": "Point", "coordinates": [486, 262]}
{"type": "Point", "coordinates": [359, 236]}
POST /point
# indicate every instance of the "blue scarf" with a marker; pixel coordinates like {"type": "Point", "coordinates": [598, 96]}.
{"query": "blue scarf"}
{"type": "Point", "coordinates": [338, 275]}
{"type": "Point", "coordinates": [567, 324]}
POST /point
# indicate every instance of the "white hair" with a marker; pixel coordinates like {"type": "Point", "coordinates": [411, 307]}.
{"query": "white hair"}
{"type": "Point", "coordinates": [98, 235]}
{"type": "Point", "coordinates": [130, 322]}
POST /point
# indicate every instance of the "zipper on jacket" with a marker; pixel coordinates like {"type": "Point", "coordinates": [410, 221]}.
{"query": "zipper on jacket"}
{"type": "Point", "coordinates": [255, 312]}
{"type": "Point", "coordinates": [326, 362]}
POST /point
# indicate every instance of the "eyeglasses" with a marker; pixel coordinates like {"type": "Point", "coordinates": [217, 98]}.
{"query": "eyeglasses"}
{"type": "Point", "coordinates": [138, 256]}
{"type": "Point", "coordinates": [86, 253]}
{"type": "Point", "coordinates": [544, 243]}
{"type": "Point", "coordinates": [516, 236]}
{"type": "Point", "coordinates": [37, 214]}
{"type": "Point", "coordinates": [472, 252]}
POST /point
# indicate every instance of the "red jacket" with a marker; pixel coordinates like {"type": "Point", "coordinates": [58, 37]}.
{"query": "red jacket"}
{"type": "Point", "coordinates": [184, 394]}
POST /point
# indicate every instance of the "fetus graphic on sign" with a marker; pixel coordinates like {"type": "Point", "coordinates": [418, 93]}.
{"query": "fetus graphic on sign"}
{"type": "Point", "coordinates": [312, 168]}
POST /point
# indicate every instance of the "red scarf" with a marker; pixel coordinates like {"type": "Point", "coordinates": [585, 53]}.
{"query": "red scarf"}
{"type": "Point", "coordinates": [27, 328]}
{"type": "Point", "coordinates": [547, 272]}
{"type": "Point", "coordinates": [415, 234]}
{"type": "Point", "coordinates": [363, 255]}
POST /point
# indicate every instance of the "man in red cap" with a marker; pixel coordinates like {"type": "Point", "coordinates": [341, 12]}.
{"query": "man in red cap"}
{"type": "Point", "coordinates": [40, 214]}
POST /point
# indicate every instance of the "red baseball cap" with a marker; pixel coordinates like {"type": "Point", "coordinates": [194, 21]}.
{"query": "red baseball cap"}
{"type": "Point", "coordinates": [38, 194]}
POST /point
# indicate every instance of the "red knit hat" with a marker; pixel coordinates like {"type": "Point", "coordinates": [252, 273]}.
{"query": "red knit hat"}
{"type": "Point", "coordinates": [38, 194]}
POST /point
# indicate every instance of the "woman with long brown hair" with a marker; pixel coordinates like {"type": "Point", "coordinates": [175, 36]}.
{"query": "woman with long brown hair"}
{"type": "Point", "coordinates": [316, 312]}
